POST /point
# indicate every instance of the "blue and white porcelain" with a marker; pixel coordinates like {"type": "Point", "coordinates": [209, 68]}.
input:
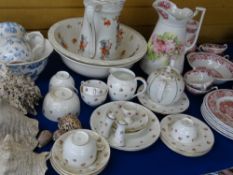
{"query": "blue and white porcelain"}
{"type": "Point", "coordinates": [15, 50]}
{"type": "Point", "coordinates": [11, 29]}
{"type": "Point", "coordinates": [33, 68]}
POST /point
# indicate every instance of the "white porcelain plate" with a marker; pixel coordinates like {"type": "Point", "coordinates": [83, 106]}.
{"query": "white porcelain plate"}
{"type": "Point", "coordinates": [199, 146]}
{"type": "Point", "coordinates": [181, 105]}
{"type": "Point", "coordinates": [134, 141]}
{"type": "Point", "coordinates": [61, 165]}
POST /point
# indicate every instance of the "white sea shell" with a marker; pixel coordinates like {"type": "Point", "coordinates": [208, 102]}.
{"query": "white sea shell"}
{"type": "Point", "coordinates": [17, 159]}
{"type": "Point", "coordinates": [15, 123]}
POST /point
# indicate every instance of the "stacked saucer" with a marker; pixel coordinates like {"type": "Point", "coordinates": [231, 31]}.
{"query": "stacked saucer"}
{"type": "Point", "coordinates": [133, 126]}
{"type": "Point", "coordinates": [217, 110]}
{"type": "Point", "coordinates": [62, 166]}
{"type": "Point", "coordinates": [186, 135]}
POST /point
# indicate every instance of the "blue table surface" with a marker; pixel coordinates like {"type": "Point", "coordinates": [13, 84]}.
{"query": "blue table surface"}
{"type": "Point", "coordinates": [157, 159]}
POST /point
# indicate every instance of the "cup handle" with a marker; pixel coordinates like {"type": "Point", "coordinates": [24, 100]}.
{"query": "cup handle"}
{"type": "Point", "coordinates": [36, 41]}
{"type": "Point", "coordinates": [144, 86]}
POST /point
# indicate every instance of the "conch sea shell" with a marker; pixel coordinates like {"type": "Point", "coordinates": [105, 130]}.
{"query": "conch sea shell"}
{"type": "Point", "coordinates": [16, 159]}
{"type": "Point", "coordinates": [15, 123]}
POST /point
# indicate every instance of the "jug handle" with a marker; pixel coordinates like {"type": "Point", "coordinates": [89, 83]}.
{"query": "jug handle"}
{"type": "Point", "coordinates": [202, 10]}
{"type": "Point", "coordinates": [90, 19]}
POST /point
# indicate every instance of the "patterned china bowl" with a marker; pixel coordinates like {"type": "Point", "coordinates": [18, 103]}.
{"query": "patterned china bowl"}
{"type": "Point", "coordinates": [64, 36]}
{"type": "Point", "coordinates": [32, 68]}
{"type": "Point", "coordinates": [213, 48]}
{"type": "Point", "coordinates": [221, 68]}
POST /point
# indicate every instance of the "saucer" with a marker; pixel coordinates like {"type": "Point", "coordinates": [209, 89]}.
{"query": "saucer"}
{"type": "Point", "coordinates": [61, 166]}
{"type": "Point", "coordinates": [179, 106]}
{"type": "Point", "coordinates": [199, 146]}
{"type": "Point", "coordinates": [134, 141]}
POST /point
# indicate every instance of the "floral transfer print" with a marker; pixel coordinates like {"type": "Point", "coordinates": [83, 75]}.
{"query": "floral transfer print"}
{"type": "Point", "coordinates": [107, 22]}
{"type": "Point", "coordinates": [165, 45]}
{"type": "Point", "coordinates": [119, 36]}
{"type": "Point", "coordinates": [83, 43]}
{"type": "Point", "coordinates": [105, 48]}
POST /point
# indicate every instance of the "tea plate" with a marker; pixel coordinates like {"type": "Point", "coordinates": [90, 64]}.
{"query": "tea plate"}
{"type": "Point", "coordinates": [220, 104]}
{"type": "Point", "coordinates": [101, 161]}
{"type": "Point", "coordinates": [199, 146]}
{"type": "Point", "coordinates": [179, 106]}
{"type": "Point", "coordinates": [134, 141]}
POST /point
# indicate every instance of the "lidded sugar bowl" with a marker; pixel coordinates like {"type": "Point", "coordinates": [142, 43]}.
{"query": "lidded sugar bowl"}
{"type": "Point", "coordinates": [165, 86]}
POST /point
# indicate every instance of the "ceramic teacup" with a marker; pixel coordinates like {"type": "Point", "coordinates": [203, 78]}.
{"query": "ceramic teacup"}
{"type": "Point", "coordinates": [198, 78]}
{"type": "Point", "coordinates": [79, 149]}
{"type": "Point", "coordinates": [11, 29]}
{"type": "Point", "coordinates": [59, 102]}
{"type": "Point", "coordinates": [62, 79]}
{"type": "Point", "coordinates": [122, 84]}
{"type": "Point", "coordinates": [92, 98]}
{"type": "Point", "coordinates": [184, 131]}
{"type": "Point", "coordinates": [94, 87]}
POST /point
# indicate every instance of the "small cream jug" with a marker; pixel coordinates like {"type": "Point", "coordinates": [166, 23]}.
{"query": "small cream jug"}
{"type": "Point", "coordinates": [99, 34]}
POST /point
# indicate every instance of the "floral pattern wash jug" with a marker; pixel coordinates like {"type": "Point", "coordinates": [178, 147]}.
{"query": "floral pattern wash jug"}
{"type": "Point", "coordinates": [168, 40]}
{"type": "Point", "coordinates": [99, 37]}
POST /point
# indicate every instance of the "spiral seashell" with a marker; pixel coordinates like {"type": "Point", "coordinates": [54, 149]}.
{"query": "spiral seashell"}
{"type": "Point", "coordinates": [69, 122]}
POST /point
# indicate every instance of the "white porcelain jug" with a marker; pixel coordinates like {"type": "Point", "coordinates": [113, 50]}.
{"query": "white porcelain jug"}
{"type": "Point", "coordinates": [99, 35]}
{"type": "Point", "coordinates": [168, 40]}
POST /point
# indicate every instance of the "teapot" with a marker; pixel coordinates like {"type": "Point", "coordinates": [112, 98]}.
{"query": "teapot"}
{"type": "Point", "coordinates": [168, 40]}
{"type": "Point", "coordinates": [99, 36]}
{"type": "Point", "coordinates": [165, 86]}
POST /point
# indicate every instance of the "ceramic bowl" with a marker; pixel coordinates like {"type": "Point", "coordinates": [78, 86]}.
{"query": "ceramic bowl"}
{"type": "Point", "coordinates": [184, 131]}
{"type": "Point", "coordinates": [94, 87]}
{"type": "Point", "coordinates": [92, 100]}
{"type": "Point", "coordinates": [213, 48]}
{"type": "Point", "coordinates": [199, 78]}
{"type": "Point", "coordinates": [33, 68]}
{"type": "Point", "coordinates": [64, 36]}
{"type": "Point", "coordinates": [61, 79]}
{"type": "Point", "coordinates": [79, 149]}
{"type": "Point", "coordinates": [89, 70]}
{"type": "Point", "coordinates": [60, 102]}
{"type": "Point", "coordinates": [221, 68]}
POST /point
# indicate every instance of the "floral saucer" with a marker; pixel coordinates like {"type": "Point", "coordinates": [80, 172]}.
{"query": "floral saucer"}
{"type": "Point", "coordinates": [181, 105]}
{"type": "Point", "coordinates": [61, 165]}
{"type": "Point", "coordinates": [134, 141]}
{"type": "Point", "coordinates": [199, 146]}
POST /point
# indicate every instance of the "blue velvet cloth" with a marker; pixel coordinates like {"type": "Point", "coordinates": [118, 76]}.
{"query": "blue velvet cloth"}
{"type": "Point", "coordinates": [157, 159]}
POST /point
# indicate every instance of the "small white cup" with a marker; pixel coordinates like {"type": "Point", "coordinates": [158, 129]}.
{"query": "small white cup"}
{"type": "Point", "coordinates": [61, 79]}
{"type": "Point", "coordinates": [93, 99]}
{"type": "Point", "coordinates": [184, 131]}
{"type": "Point", "coordinates": [59, 102]}
{"type": "Point", "coordinates": [94, 87]}
{"type": "Point", "coordinates": [119, 135]}
{"type": "Point", "coordinates": [79, 149]}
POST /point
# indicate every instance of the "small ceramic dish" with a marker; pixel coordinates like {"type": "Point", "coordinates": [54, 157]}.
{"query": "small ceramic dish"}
{"type": "Point", "coordinates": [199, 78]}
{"type": "Point", "coordinates": [213, 48]}
{"type": "Point", "coordinates": [221, 68]}
{"type": "Point", "coordinates": [199, 91]}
